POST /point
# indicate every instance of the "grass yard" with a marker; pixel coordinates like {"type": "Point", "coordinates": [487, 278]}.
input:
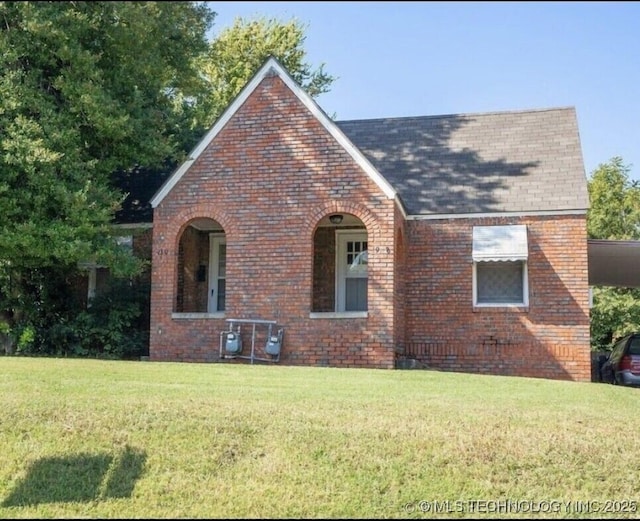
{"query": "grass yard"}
{"type": "Point", "coordinates": [105, 439]}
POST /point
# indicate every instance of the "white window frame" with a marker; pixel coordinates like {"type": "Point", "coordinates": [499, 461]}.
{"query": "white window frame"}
{"type": "Point", "coordinates": [525, 289]}
{"type": "Point", "coordinates": [215, 241]}
{"type": "Point", "coordinates": [501, 243]}
{"type": "Point", "coordinates": [342, 237]}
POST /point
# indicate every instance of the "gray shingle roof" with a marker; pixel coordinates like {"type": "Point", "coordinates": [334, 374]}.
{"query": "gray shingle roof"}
{"type": "Point", "coordinates": [524, 161]}
{"type": "Point", "coordinates": [139, 183]}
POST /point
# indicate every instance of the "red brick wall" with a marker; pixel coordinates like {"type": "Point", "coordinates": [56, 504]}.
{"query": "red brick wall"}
{"type": "Point", "coordinates": [399, 295]}
{"type": "Point", "coordinates": [324, 270]}
{"type": "Point", "coordinates": [193, 251]}
{"type": "Point", "coordinates": [268, 178]}
{"type": "Point", "coordinates": [549, 339]}
{"type": "Point", "coordinates": [142, 240]}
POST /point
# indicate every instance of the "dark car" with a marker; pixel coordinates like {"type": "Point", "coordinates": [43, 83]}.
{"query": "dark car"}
{"type": "Point", "coordinates": [622, 367]}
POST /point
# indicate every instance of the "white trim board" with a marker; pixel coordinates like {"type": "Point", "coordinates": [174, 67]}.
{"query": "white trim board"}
{"type": "Point", "coordinates": [480, 215]}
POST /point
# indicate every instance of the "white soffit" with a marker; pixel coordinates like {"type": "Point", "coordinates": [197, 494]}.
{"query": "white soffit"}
{"type": "Point", "coordinates": [500, 243]}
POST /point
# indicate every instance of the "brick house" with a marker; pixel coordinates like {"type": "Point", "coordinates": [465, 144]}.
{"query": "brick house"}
{"type": "Point", "coordinates": [458, 241]}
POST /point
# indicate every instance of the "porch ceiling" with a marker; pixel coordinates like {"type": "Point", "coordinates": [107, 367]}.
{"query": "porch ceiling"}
{"type": "Point", "coordinates": [614, 263]}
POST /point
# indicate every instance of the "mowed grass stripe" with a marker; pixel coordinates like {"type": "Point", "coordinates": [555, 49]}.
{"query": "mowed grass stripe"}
{"type": "Point", "coordinates": [109, 439]}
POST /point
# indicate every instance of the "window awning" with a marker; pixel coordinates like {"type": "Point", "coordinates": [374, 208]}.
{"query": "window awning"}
{"type": "Point", "coordinates": [500, 243]}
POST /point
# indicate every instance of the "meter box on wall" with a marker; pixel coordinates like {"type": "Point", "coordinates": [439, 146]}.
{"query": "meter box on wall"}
{"type": "Point", "coordinates": [274, 344]}
{"type": "Point", "coordinates": [233, 344]}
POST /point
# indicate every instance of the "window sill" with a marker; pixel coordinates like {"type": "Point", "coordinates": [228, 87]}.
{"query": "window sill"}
{"type": "Point", "coordinates": [501, 307]}
{"type": "Point", "coordinates": [339, 314]}
{"type": "Point", "coordinates": [188, 316]}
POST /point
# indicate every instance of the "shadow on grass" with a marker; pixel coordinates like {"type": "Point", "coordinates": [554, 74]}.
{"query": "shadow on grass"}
{"type": "Point", "coordinates": [81, 478]}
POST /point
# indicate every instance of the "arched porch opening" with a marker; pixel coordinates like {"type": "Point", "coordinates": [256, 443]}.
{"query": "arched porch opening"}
{"type": "Point", "coordinates": [201, 268]}
{"type": "Point", "coordinates": [340, 264]}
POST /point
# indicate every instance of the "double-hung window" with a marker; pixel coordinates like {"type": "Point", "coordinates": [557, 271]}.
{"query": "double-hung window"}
{"type": "Point", "coordinates": [500, 256]}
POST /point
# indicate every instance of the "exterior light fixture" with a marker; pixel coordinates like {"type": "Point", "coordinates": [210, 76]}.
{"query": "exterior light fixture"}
{"type": "Point", "coordinates": [336, 218]}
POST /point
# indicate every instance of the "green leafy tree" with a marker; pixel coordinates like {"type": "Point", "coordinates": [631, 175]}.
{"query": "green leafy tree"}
{"type": "Point", "coordinates": [238, 52]}
{"type": "Point", "coordinates": [86, 89]}
{"type": "Point", "coordinates": [614, 198]}
{"type": "Point", "coordinates": [614, 214]}
{"type": "Point", "coordinates": [89, 90]}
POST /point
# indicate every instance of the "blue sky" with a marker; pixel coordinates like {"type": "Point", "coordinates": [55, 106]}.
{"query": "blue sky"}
{"type": "Point", "coordinates": [394, 59]}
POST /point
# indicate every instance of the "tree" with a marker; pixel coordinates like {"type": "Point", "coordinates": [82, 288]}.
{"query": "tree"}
{"type": "Point", "coordinates": [239, 51]}
{"type": "Point", "coordinates": [614, 214]}
{"type": "Point", "coordinates": [91, 90]}
{"type": "Point", "coordinates": [614, 198]}
{"type": "Point", "coordinates": [86, 89]}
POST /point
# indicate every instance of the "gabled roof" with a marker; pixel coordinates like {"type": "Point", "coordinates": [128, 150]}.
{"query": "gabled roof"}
{"type": "Point", "coordinates": [459, 165]}
{"type": "Point", "coordinates": [272, 66]}
{"type": "Point", "coordinates": [504, 162]}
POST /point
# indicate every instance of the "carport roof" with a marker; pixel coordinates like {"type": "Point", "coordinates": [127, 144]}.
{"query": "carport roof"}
{"type": "Point", "coordinates": [614, 263]}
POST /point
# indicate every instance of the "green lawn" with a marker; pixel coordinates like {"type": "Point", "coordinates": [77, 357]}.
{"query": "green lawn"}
{"type": "Point", "coordinates": [105, 439]}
